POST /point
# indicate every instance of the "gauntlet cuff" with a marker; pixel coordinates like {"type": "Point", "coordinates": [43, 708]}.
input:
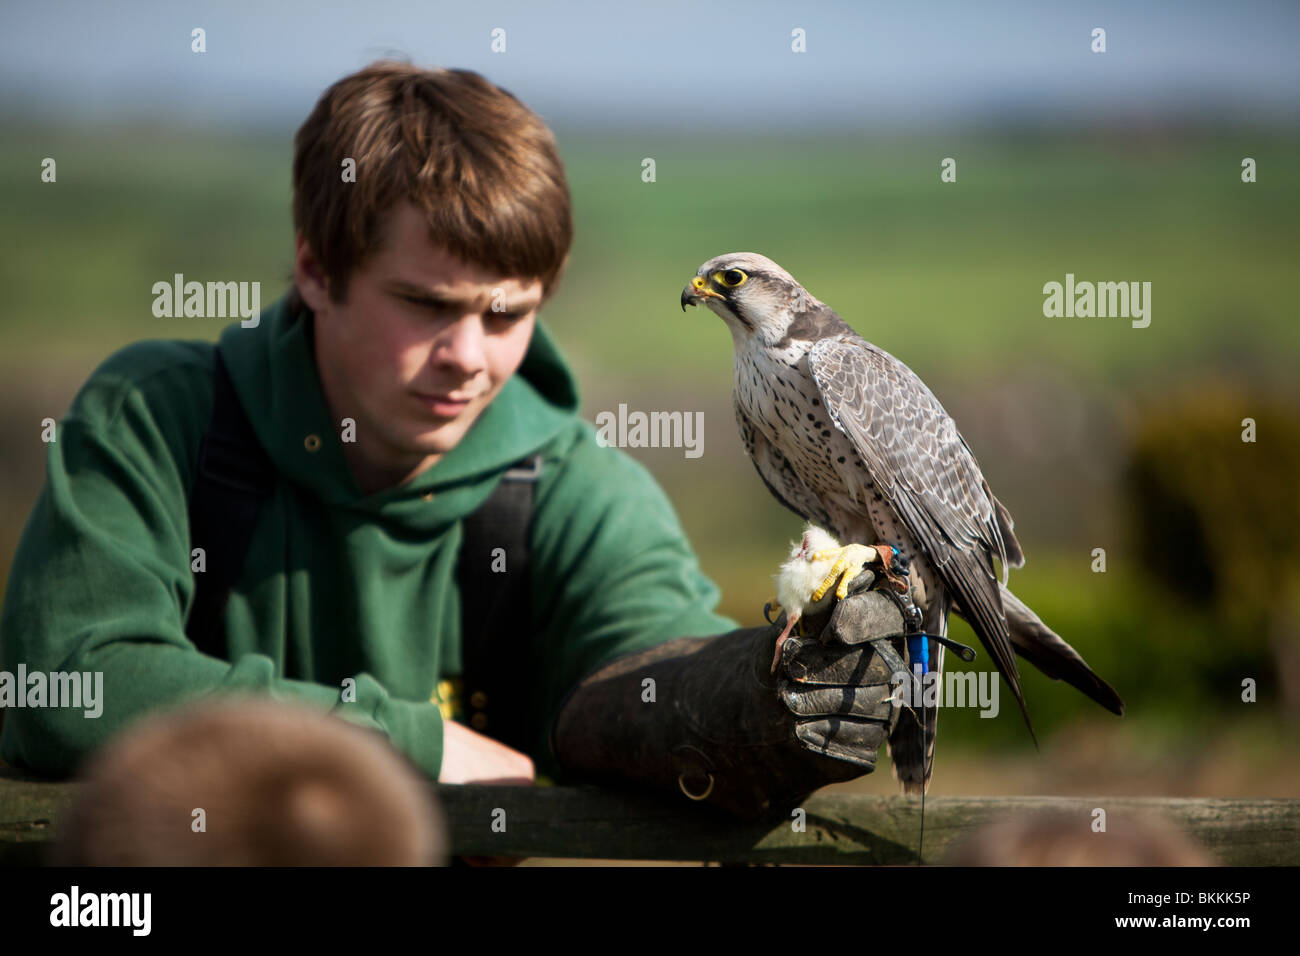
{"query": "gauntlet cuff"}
{"type": "Point", "coordinates": [704, 719]}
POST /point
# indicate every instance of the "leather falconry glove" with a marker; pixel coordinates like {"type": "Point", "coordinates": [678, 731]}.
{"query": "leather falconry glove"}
{"type": "Point", "coordinates": [722, 728]}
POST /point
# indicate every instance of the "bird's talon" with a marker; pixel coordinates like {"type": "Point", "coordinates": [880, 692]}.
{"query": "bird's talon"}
{"type": "Point", "coordinates": [850, 561]}
{"type": "Point", "coordinates": [772, 611]}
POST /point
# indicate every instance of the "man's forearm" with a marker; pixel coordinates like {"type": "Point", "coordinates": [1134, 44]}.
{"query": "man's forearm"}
{"type": "Point", "coordinates": [138, 677]}
{"type": "Point", "coordinates": [698, 717]}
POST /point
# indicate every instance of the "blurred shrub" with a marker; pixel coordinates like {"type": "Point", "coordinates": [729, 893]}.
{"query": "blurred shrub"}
{"type": "Point", "coordinates": [1215, 517]}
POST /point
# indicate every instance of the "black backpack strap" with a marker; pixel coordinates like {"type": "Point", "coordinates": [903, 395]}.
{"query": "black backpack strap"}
{"type": "Point", "coordinates": [499, 680]}
{"type": "Point", "coordinates": [233, 478]}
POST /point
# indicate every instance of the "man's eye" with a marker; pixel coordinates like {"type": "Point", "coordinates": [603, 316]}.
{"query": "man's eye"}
{"type": "Point", "coordinates": [436, 309]}
{"type": "Point", "coordinates": [442, 309]}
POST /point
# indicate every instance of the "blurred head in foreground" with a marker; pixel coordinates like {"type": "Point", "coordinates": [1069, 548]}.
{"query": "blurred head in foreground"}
{"type": "Point", "coordinates": [1067, 839]}
{"type": "Point", "coordinates": [250, 782]}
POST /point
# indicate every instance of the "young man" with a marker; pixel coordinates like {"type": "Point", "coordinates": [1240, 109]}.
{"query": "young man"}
{"type": "Point", "coordinates": [392, 390]}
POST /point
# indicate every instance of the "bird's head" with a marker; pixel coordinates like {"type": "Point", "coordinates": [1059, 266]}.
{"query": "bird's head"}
{"type": "Point", "coordinates": [814, 539]}
{"type": "Point", "coordinates": [803, 550]}
{"type": "Point", "coordinates": [751, 293]}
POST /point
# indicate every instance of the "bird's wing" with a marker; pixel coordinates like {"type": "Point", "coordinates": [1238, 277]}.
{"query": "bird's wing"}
{"type": "Point", "coordinates": [780, 478]}
{"type": "Point", "coordinates": [924, 469]}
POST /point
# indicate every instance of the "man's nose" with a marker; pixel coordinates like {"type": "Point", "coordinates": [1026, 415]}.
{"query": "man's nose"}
{"type": "Point", "coordinates": [462, 345]}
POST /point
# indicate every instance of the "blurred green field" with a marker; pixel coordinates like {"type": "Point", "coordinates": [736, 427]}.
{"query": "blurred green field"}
{"type": "Point", "coordinates": [865, 226]}
{"type": "Point", "coordinates": [946, 276]}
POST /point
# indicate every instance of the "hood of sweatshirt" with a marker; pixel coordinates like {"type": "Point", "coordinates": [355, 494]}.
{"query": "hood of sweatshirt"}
{"type": "Point", "coordinates": [273, 369]}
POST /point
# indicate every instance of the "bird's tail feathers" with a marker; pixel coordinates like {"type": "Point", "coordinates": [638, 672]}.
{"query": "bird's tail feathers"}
{"type": "Point", "coordinates": [982, 608]}
{"type": "Point", "coordinates": [1041, 646]}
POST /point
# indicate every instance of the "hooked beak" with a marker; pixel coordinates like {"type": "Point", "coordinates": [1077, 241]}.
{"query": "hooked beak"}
{"type": "Point", "coordinates": [698, 289]}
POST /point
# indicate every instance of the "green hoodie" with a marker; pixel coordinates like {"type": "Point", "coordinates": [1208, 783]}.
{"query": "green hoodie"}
{"type": "Point", "coordinates": [336, 584]}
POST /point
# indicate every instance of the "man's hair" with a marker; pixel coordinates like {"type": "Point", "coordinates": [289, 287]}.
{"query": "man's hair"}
{"type": "Point", "coordinates": [278, 784]}
{"type": "Point", "coordinates": [1060, 838]}
{"type": "Point", "coordinates": [482, 167]}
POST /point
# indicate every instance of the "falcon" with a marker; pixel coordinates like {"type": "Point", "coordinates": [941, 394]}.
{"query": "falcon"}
{"type": "Point", "coordinates": [849, 438]}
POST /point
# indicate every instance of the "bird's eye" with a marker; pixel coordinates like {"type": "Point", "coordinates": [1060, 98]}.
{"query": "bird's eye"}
{"type": "Point", "coordinates": [733, 277]}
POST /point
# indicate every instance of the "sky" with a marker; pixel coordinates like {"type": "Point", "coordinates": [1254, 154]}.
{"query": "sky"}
{"type": "Point", "coordinates": [671, 63]}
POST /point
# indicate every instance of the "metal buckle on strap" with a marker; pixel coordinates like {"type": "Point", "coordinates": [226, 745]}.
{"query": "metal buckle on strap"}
{"type": "Point", "coordinates": [681, 782]}
{"type": "Point", "coordinates": [693, 762]}
{"type": "Point", "coordinates": [964, 651]}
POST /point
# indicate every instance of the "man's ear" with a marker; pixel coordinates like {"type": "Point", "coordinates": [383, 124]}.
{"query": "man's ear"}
{"type": "Point", "coordinates": [313, 284]}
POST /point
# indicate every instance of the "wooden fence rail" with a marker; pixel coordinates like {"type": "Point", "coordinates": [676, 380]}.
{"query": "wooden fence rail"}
{"type": "Point", "coordinates": [589, 822]}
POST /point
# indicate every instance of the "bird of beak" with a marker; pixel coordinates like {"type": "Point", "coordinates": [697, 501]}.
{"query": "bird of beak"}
{"type": "Point", "coordinates": [698, 289]}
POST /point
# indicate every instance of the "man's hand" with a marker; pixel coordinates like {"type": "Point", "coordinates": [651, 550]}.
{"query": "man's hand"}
{"type": "Point", "coordinates": [469, 757]}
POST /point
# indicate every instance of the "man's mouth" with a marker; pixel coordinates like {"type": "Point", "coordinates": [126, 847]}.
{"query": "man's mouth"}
{"type": "Point", "coordinates": [445, 404]}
